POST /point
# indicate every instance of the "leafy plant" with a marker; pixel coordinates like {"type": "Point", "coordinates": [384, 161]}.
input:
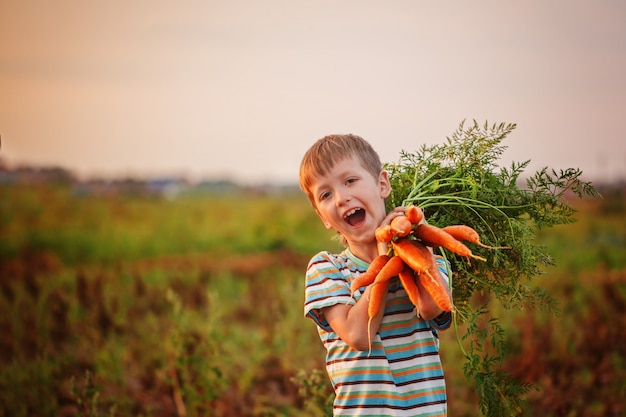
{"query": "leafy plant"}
{"type": "Point", "coordinates": [314, 390]}
{"type": "Point", "coordinates": [460, 182]}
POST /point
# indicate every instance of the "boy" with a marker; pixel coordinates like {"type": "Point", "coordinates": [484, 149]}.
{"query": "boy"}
{"type": "Point", "coordinates": [400, 372]}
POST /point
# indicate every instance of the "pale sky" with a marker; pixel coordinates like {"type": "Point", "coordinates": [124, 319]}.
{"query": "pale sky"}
{"type": "Point", "coordinates": [240, 89]}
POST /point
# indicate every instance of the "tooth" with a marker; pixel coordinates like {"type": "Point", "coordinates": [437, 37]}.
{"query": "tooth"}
{"type": "Point", "coordinates": [350, 213]}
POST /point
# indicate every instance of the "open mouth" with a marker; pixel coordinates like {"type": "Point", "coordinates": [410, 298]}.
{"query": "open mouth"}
{"type": "Point", "coordinates": [355, 217]}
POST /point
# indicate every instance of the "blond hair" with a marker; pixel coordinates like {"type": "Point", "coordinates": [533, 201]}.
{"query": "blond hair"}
{"type": "Point", "coordinates": [332, 149]}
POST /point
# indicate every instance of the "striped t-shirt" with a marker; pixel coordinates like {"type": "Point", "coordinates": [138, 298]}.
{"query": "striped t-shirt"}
{"type": "Point", "coordinates": [402, 375]}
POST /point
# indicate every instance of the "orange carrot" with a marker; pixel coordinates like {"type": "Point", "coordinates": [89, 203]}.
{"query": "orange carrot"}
{"type": "Point", "coordinates": [467, 234]}
{"type": "Point", "coordinates": [434, 237]}
{"type": "Point", "coordinates": [388, 271]}
{"type": "Point", "coordinates": [409, 252]}
{"type": "Point", "coordinates": [422, 261]}
{"type": "Point", "coordinates": [401, 226]}
{"type": "Point", "coordinates": [407, 278]}
{"type": "Point", "coordinates": [378, 290]}
{"type": "Point", "coordinates": [377, 295]}
{"type": "Point", "coordinates": [391, 269]}
{"type": "Point", "coordinates": [384, 233]}
{"type": "Point", "coordinates": [414, 214]}
{"type": "Point", "coordinates": [369, 276]}
{"type": "Point", "coordinates": [434, 283]}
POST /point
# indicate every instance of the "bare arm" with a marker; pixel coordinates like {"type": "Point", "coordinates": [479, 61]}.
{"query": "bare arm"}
{"type": "Point", "coordinates": [350, 322]}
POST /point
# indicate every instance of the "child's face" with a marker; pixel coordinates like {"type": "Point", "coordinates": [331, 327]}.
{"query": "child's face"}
{"type": "Point", "coordinates": [351, 201]}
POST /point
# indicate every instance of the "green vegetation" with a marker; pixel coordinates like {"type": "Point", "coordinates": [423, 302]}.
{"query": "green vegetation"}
{"type": "Point", "coordinates": [460, 182]}
{"type": "Point", "coordinates": [142, 306]}
{"type": "Point", "coordinates": [80, 229]}
{"type": "Point", "coordinates": [147, 306]}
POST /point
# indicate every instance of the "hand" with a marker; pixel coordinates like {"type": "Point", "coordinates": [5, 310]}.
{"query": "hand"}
{"type": "Point", "coordinates": [383, 248]}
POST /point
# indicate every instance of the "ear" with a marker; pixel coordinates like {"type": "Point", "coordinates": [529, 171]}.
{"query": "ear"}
{"type": "Point", "coordinates": [326, 223]}
{"type": "Point", "coordinates": [384, 184]}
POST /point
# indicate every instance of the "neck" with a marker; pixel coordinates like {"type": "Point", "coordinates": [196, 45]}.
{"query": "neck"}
{"type": "Point", "coordinates": [365, 253]}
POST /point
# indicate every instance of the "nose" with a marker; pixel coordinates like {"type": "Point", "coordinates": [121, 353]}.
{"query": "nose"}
{"type": "Point", "coordinates": [342, 196]}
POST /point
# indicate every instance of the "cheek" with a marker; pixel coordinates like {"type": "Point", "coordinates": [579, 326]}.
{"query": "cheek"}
{"type": "Point", "coordinates": [323, 218]}
{"type": "Point", "coordinates": [327, 224]}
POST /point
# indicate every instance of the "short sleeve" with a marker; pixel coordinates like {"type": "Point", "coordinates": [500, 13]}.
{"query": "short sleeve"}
{"type": "Point", "coordinates": [326, 285]}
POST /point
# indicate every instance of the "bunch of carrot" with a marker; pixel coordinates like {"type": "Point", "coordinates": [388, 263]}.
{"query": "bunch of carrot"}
{"type": "Point", "coordinates": [411, 259]}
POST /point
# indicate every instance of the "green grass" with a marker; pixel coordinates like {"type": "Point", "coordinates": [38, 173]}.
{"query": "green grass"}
{"type": "Point", "coordinates": [87, 230]}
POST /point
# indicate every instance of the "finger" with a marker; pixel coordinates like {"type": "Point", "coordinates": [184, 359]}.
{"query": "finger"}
{"type": "Point", "coordinates": [390, 216]}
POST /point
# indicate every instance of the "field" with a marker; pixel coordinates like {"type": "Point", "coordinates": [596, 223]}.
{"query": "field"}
{"type": "Point", "coordinates": [137, 305]}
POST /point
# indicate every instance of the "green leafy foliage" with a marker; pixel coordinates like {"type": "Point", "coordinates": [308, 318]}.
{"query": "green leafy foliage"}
{"type": "Point", "coordinates": [203, 318]}
{"type": "Point", "coordinates": [460, 182]}
{"type": "Point", "coordinates": [313, 388]}
{"type": "Point", "coordinates": [121, 228]}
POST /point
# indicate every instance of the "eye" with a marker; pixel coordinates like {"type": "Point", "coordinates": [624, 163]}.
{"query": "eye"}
{"type": "Point", "coordinates": [351, 180]}
{"type": "Point", "coordinates": [324, 196]}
